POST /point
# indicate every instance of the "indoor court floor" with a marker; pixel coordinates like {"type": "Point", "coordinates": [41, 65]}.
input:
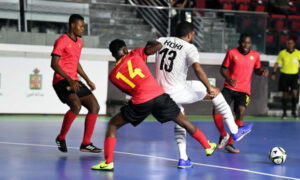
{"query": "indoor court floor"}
{"type": "Point", "coordinates": [148, 152]}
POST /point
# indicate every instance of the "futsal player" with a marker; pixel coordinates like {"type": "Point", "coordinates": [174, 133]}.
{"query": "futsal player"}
{"type": "Point", "coordinates": [237, 69]}
{"type": "Point", "coordinates": [68, 87]}
{"type": "Point", "coordinates": [172, 63]}
{"type": "Point", "coordinates": [131, 75]}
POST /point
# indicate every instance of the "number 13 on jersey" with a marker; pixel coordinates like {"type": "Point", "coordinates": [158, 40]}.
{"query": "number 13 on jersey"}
{"type": "Point", "coordinates": [132, 73]}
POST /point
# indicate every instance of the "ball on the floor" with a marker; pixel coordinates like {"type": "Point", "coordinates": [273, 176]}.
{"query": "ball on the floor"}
{"type": "Point", "coordinates": [277, 155]}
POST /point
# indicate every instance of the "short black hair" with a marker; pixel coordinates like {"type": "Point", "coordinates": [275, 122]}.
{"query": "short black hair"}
{"type": "Point", "coordinates": [74, 17]}
{"type": "Point", "coordinates": [184, 28]}
{"type": "Point", "coordinates": [116, 45]}
{"type": "Point", "coordinates": [243, 36]}
{"type": "Point", "coordinates": [292, 38]}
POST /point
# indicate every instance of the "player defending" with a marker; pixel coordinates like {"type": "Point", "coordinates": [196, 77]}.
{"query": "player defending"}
{"type": "Point", "coordinates": [132, 76]}
{"type": "Point", "coordinates": [237, 69]}
{"type": "Point", "coordinates": [65, 63]}
{"type": "Point", "coordinates": [172, 63]}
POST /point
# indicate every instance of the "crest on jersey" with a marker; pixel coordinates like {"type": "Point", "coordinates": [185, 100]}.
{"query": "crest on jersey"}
{"type": "Point", "coordinates": [251, 58]}
{"type": "Point", "coordinates": [236, 57]}
{"type": "Point", "coordinates": [79, 45]}
{"type": "Point", "coordinates": [70, 45]}
{"type": "Point", "coordinates": [36, 80]}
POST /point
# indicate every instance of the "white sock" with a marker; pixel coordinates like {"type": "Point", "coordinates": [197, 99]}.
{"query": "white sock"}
{"type": "Point", "coordinates": [180, 135]}
{"type": "Point", "coordinates": [223, 108]}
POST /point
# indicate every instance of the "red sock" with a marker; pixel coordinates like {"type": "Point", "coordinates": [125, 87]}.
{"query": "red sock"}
{"type": "Point", "coordinates": [200, 137]}
{"type": "Point", "coordinates": [68, 120]}
{"type": "Point", "coordinates": [109, 146]}
{"type": "Point", "coordinates": [89, 126]}
{"type": "Point", "coordinates": [220, 125]}
{"type": "Point", "coordinates": [239, 123]}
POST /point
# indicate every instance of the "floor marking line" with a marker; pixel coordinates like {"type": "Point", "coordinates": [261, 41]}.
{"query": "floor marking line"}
{"type": "Point", "coordinates": [163, 158]}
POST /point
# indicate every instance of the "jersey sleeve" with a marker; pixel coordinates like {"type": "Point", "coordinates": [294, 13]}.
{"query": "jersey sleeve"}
{"type": "Point", "coordinates": [140, 52]}
{"type": "Point", "coordinates": [58, 48]}
{"type": "Point", "coordinates": [257, 64]}
{"type": "Point", "coordinates": [193, 56]}
{"type": "Point", "coordinates": [279, 58]}
{"type": "Point", "coordinates": [227, 60]}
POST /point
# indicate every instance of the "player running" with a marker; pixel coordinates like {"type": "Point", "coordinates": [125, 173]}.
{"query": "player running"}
{"type": "Point", "coordinates": [237, 69]}
{"type": "Point", "coordinates": [131, 75]}
{"type": "Point", "coordinates": [172, 63]}
{"type": "Point", "coordinates": [65, 63]}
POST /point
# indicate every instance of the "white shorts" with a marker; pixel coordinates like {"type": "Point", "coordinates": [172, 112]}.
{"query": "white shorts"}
{"type": "Point", "coordinates": [194, 91]}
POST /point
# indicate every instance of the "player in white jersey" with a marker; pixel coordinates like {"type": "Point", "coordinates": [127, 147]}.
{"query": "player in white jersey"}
{"type": "Point", "coordinates": [172, 63]}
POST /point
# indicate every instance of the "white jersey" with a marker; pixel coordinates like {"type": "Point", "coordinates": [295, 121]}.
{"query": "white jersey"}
{"type": "Point", "coordinates": [172, 63]}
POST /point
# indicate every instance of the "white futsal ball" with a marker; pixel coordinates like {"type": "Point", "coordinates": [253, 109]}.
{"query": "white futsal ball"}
{"type": "Point", "coordinates": [277, 155]}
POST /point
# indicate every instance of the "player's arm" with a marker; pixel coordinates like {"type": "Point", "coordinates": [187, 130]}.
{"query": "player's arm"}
{"type": "Point", "coordinates": [152, 47]}
{"type": "Point", "coordinates": [224, 73]}
{"type": "Point", "coordinates": [55, 66]}
{"type": "Point", "coordinates": [85, 77]}
{"type": "Point", "coordinates": [200, 73]}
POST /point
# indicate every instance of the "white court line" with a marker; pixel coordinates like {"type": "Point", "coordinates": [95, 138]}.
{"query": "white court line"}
{"type": "Point", "coordinates": [163, 158]}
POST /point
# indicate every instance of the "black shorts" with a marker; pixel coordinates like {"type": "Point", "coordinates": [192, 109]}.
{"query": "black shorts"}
{"type": "Point", "coordinates": [288, 82]}
{"type": "Point", "coordinates": [163, 108]}
{"type": "Point", "coordinates": [239, 98]}
{"type": "Point", "coordinates": [61, 89]}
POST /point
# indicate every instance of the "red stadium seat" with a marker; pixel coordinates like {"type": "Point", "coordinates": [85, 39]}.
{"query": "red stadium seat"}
{"type": "Point", "coordinates": [278, 21]}
{"type": "Point", "coordinates": [227, 6]}
{"type": "Point", "coordinates": [294, 23]}
{"type": "Point", "coordinates": [242, 5]}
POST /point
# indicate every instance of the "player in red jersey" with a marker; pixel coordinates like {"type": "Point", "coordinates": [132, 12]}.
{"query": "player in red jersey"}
{"type": "Point", "coordinates": [68, 87]}
{"type": "Point", "coordinates": [237, 69]}
{"type": "Point", "coordinates": [132, 76]}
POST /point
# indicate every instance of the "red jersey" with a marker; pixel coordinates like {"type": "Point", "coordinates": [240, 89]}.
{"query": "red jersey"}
{"type": "Point", "coordinates": [69, 52]}
{"type": "Point", "coordinates": [132, 75]}
{"type": "Point", "coordinates": [240, 68]}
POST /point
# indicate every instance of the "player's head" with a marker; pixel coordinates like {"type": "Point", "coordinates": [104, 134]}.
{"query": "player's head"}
{"type": "Point", "coordinates": [185, 30]}
{"type": "Point", "coordinates": [245, 42]}
{"type": "Point", "coordinates": [76, 24]}
{"type": "Point", "coordinates": [290, 44]}
{"type": "Point", "coordinates": [118, 48]}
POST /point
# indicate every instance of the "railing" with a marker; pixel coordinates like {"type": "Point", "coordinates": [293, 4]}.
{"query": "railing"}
{"type": "Point", "coordinates": [141, 20]}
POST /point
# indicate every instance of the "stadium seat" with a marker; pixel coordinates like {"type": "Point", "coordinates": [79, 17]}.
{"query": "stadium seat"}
{"type": "Point", "coordinates": [259, 5]}
{"type": "Point", "coordinates": [226, 4]}
{"type": "Point", "coordinates": [242, 5]}
{"type": "Point", "coordinates": [278, 21]}
{"type": "Point", "coordinates": [294, 23]}
{"type": "Point", "coordinates": [271, 42]}
{"type": "Point", "coordinates": [283, 38]}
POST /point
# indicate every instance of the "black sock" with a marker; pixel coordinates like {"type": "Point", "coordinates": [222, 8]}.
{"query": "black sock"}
{"type": "Point", "coordinates": [284, 103]}
{"type": "Point", "coordinates": [294, 104]}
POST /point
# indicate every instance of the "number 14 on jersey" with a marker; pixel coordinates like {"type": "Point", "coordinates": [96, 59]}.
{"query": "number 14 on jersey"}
{"type": "Point", "coordinates": [132, 73]}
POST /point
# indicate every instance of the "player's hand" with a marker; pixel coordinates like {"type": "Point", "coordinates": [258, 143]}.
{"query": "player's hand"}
{"type": "Point", "coordinates": [273, 77]}
{"type": "Point", "coordinates": [74, 85]}
{"type": "Point", "coordinates": [232, 82]}
{"type": "Point", "coordinates": [91, 85]}
{"type": "Point", "coordinates": [265, 72]}
{"type": "Point", "coordinates": [212, 91]}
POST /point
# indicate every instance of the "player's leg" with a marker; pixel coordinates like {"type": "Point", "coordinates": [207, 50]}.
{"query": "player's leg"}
{"type": "Point", "coordinates": [74, 103]}
{"type": "Point", "coordinates": [93, 108]}
{"type": "Point", "coordinates": [294, 102]}
{"type": "Point", "coordinates": [218, 118]}
{"type": "Point", "coordinates": [284, 88]}
{"type": "Point", "coordinates": [72, 100]}
{"type": "Point", "coordinates": [196, 134]}
{"type": "Point", "coordinates": [180, 136]}
{"type": "Point", "coordinates": [109, 143]}
{"type": "Point", "coordinates": [131, 113]}
{"type": "Point", "coordinates": [294, 87]}
{"type": "Point", "coordinates": [241, 101]}
{"type": "Point", "coordinates": [167, 110]}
